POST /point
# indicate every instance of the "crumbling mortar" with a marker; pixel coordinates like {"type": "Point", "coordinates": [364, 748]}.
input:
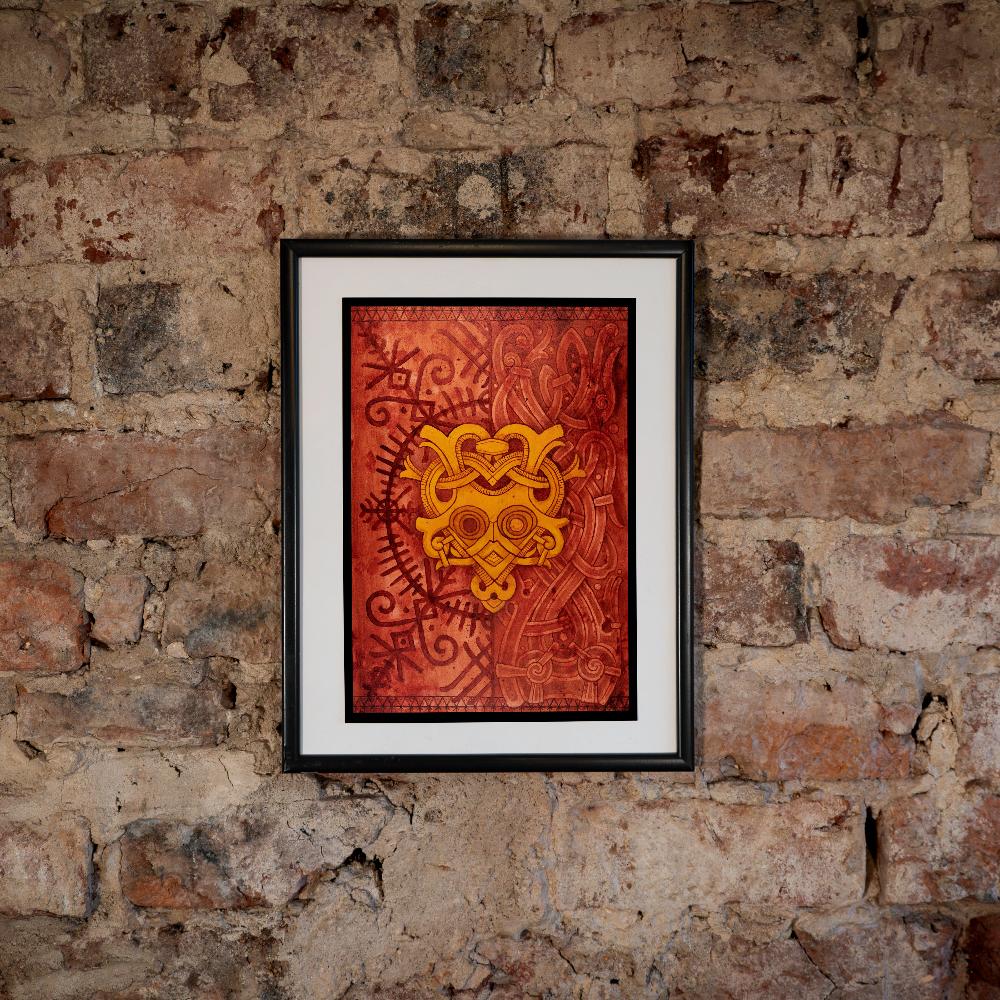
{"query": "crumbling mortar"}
{"type": "Point", "coordinates": [93, 877]}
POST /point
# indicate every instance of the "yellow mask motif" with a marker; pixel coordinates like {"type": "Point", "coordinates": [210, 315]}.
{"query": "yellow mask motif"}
{"type": "Point", "coordinates": [492, 502]}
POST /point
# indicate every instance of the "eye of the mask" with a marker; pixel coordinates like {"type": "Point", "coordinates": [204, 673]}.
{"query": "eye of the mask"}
{"type": "Point", "coordinates": [469, 523]}
{"type": "Point", "coordinates": [517, 522]}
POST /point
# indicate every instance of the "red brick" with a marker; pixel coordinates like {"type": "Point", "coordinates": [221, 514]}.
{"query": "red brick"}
{"type": "Point", "coordinates": [846, 183]}
{"type": "Point", "coordinates": [961, 312]}
{"type": "Point", "coordinates": [931, 852]}
{"type": "Point", "coordinates": [753, 594]}
{"type": "Point", "coordinates": [985, 167]}
{"type": "Point", "coordinates": [229, 610]}
{"type": "Point", "coordinates": [944, 60]}
{"type": "Point", "coordinates": [169, 867]}
{"type": "Point", "coordinates": [978, 725]}
{"type": "Point", "coordinates": [96, 485]}
{"type": "Point", "coordinates": [244, 860]}
{"type": "Point", "coordinates": [776, 729]}
{"type": "Point", "coordinates": [103, 208]}
{"type": "Point", "coordinates": [34, 64]}
{"type": "Point", "coordinates": [308, 60]}
{"type": "Point", "coordinates": [152, 57]}
{"type": "Point", "coordinates": [981, 948]}
{"type": "Point", "coordinates": [35, 360]}
{"type": "Point", "coordinates": [830, 472]}
{"type": "Point", "coordinates": [117, 608]}
{"type": "Point", "coordinates": [872, 953]}
{"type": "Point", "coordinates": [43, 626]}
{"type": "Point", "coordinates": [134, 702]}
{"type": "Point", "coordinates": [45, 868]}
{"type": "Point", "coordinates": [632, 55]}
{"type": "Point", "coordinates": [907, 594]}
{"type": "Point", "coordinates": [793, 321]}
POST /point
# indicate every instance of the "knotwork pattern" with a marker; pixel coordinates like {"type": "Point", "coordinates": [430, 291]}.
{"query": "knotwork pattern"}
{"type": "Point", "coordinates": [489, 498]}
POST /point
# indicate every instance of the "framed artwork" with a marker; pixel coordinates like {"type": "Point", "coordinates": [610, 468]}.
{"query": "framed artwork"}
{"type": "Point", "coordinates": [487, 459]}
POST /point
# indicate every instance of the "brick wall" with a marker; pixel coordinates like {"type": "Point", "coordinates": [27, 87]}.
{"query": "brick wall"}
{"type": "Point", "coordinates": [841, 173]}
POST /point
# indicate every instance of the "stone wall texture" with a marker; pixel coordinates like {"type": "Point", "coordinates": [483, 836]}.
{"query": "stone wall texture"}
{"type": "Point", "coordinates": [838, 164]}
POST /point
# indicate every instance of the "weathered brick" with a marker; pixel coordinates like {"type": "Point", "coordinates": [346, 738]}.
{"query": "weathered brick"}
{"type": "Point", "coordinates": [873, 953]}
{"type": "Point", "coordinates": [96, 485]}
{"type": "Point", "coordinates": [136, 324]}
{"type": "Point", "coordinates": [703, 964]}
{"type": "Point", "coordinates": [908, 594]}
{"type": "Point", "coordinates": [663, 55]}
{"type": "Point", "coordinates": [501, 848]}
{"type": "Point", "coordinates": [333, 902]}
{"type": "Point", "coordinates": [941, 58]}
{"type": "Point", "coordinates": [985, 169]}
{"type": "Point", "coordinates": [531, 192]}
{"type": "Point", "coordinates": [103, 208]}
{"type": "Point", "coordinates": [529, 966]}
{"type": "Point", "coordinates": [116, 605]}
{"type": "Point", "coordinates": [159, 337]}
{"type": "Point", "coordinates": [611, 856]}
{"type": "Point", "coordinates": [831, 472]}
{"type": "Point", "coordinates": [307, 60]}
{"type": "Point", "coordinates": [45, 957]}
{"type": "Point", "coordinates": [481, 55]}
{"type": "Point", "coordinates": [166, 866]}
{"type": "Point", "coordinates": [135, 56]}
{"type": "Point", "coordinates": [797, 322]}
{"type": "Point", "coordinates": [34, 64]}
{"type": "Point", "coordinates": [43, 626]}
{"type": "Point", "coordinates": [158, 782]}
{"type": "Point", "coordinates": [134, 701]}
{"type": "Point", "coordinates": [630, 55]}
{"type": "Point", "coordinates": [753, 594]}
{"type": "Point", "coordinates": [35, 360]}
{"type": "Point", "coordinates": [45, 867]}
{"type": "Point", "coordinates": [981, 948]}
{"type": "Point", "coordinates": [931, 851]}
{"type": "Point", "coordinates": [961, 312]}
{"type": "Point", "coordinates": [848, 183]}
{"type": "Point", "coordinates": [244, 859]}
{"type": "Point", "coordinates": [777, 729]}
{"type": "Point", "coordinates": [760, 52]}
{"type": "Point", "coordinates": [978, 724]}
{"type": "Point", "coordinates": [228, 611]}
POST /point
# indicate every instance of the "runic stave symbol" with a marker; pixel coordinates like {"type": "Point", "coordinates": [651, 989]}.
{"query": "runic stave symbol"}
{"type": "Point", "coordinates": [492, 502]}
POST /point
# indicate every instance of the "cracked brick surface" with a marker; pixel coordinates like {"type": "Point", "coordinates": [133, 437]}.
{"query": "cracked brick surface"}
{"type": "Point", "coordinates": [839, 169]}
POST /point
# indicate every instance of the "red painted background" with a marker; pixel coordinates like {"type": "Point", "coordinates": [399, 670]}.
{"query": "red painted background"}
{"type": "Point", "coordinates": [421, 641]}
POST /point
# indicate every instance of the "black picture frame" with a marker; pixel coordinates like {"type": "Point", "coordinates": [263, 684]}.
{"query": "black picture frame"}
{"type": "Point", "coordinates": [626, 715]}
{"type": "Point", "coordinates": [293, 251]}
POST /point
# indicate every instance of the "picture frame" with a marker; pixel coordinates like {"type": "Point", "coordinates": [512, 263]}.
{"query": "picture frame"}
{"type": "Point", "coordinates": [422, 623]}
